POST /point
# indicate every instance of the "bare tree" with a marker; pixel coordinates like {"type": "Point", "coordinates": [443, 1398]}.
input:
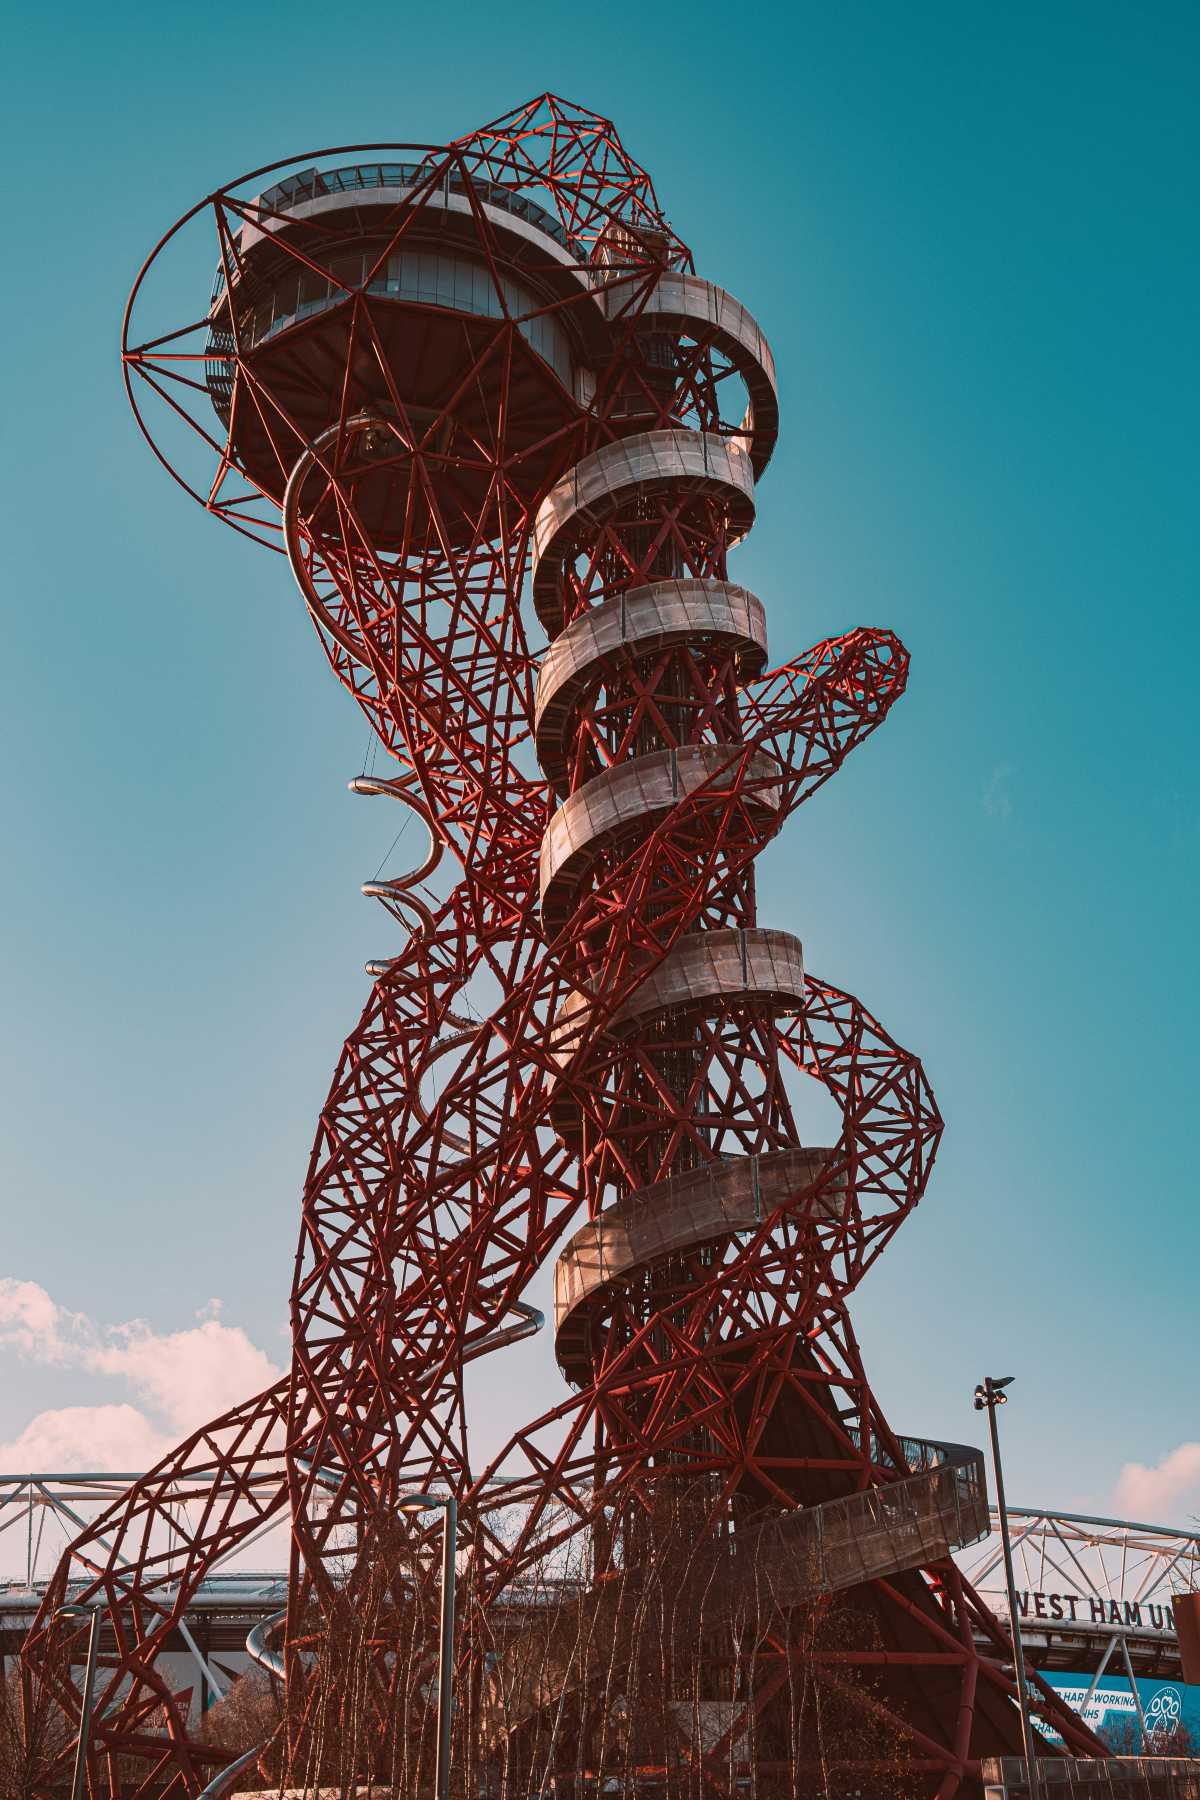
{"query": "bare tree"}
{"type": "Point", "coordinates": [29, 1742]}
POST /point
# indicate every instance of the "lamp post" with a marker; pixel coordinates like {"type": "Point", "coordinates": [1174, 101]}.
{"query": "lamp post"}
{"type": "Point", "coordinates": [988, 1396]}
{"type": "Point", "coordinates": [85, 1716]}
{"type": "Point", "coordinates": [416, 1503]}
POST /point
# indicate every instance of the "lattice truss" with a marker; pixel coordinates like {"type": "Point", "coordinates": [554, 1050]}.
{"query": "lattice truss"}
{"type": "Point", "coordinates": [476, 391]}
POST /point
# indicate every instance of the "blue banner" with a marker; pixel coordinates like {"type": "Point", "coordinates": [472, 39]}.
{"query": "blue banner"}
{"type": "Point", "coordinates": [1171, 1710]}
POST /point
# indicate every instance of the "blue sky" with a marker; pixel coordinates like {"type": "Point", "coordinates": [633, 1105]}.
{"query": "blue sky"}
{"type": "Point", "coordinates": [969, 234]}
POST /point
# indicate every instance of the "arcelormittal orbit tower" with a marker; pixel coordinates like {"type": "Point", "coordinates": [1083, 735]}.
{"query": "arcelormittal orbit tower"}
{"type": "Point", "coordinates": [509, 439]}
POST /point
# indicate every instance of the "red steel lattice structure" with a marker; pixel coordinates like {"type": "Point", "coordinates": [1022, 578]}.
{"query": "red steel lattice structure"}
{"type": "Point", "coordinates": [444, 380]}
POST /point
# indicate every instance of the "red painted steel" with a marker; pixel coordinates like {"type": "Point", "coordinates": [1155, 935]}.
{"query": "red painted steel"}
{"type": "Point", "coordinates": [419, 451]}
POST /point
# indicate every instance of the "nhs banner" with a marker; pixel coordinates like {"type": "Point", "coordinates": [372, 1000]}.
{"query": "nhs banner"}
{"type": "Point", "coordinates": [1171, 1710]}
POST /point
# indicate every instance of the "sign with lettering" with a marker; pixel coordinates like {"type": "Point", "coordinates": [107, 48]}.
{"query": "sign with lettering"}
{"type": "Point", "coordinates": [1094, 1609]}
{"type": "Point", "coordinates": [1169, 1710]}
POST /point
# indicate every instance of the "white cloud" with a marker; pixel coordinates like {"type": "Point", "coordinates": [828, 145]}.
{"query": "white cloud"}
{"type": "Point", "coordinates": [1152, 1494]}
{"type": "Point", "coordinates": [185, 1376]}
{"type": "Point", "coordinates": [83, 1440]}
{"type": "Point", "coordinates": [181, 1378]}
{"type": "Point", "coordinates": [31, 1323]}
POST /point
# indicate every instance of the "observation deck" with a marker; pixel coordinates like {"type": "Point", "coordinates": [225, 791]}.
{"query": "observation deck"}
{"type": "Point", "coordinates": [379, 264]}
{"type": "Point", "coordinates": [367, 200]}
{"type": "Point", "coordinates": [311, 185]}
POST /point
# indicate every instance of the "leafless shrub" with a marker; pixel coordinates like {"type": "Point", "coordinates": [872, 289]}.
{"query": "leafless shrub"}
{"type": "Point", "coordinates": [247, 1716]}
{"type": "Point", "coordinates": [665, 1663]}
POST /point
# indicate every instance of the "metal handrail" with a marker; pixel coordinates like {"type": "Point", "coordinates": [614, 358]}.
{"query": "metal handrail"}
{"type": "Point", "coordinates": [940, 1507]}
{"type": "Point", "coordinates": [1148, 1777]}
{"type": "Point", "coordinates": [312, 184]}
